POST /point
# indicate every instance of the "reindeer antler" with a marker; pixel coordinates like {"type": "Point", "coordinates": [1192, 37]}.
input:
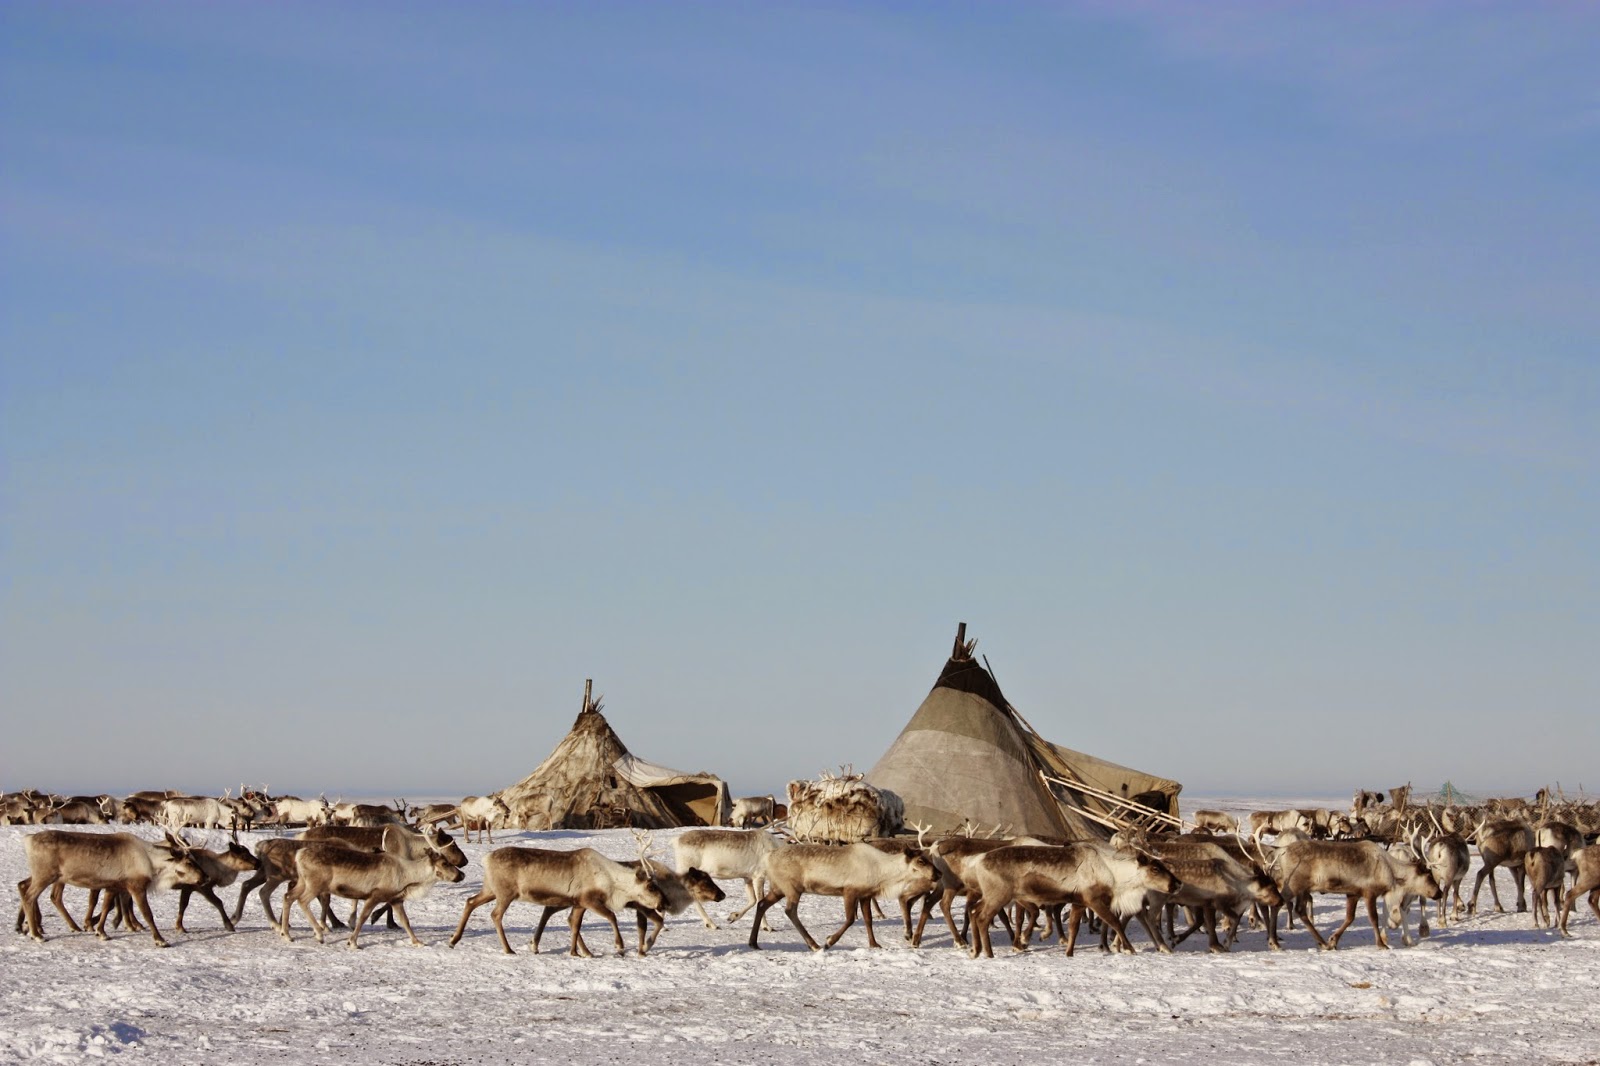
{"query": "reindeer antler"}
{"type": "Point", "coordinates": [642, 839]}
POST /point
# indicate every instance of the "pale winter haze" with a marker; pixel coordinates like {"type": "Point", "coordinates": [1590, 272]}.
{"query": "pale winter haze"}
{"type": "Point", "coordinates": [373, 374]}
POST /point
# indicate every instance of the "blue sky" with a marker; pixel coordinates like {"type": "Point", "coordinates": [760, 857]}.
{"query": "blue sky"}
{"type": "Point", "coordinates": [370, 375]}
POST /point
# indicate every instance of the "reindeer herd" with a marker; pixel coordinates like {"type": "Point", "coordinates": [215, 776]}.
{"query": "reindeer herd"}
{"type": "Point", "coordinates": [1215, 876]}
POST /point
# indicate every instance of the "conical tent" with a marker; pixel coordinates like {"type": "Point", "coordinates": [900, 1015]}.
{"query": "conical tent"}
{"type": "Point", "coordinates": [591, 781]}
{"type": "Point", "coordinates": [967, 757]}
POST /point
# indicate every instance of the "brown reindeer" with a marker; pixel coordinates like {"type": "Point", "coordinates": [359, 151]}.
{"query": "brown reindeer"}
{"type": "Point", "coordinates": [1502, 843]}
{"type": "Point", "coordinates": [1587, 861]}
{"type": "Point", "coordinates": [583, 880]}
{"type": "Point", "coordinates": [115, 862]}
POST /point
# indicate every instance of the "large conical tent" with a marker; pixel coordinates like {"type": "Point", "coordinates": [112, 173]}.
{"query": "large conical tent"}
{"type": "Point", "coordinates": [591, 781]}
{"type": "Point", "coordinates": [967, 757]}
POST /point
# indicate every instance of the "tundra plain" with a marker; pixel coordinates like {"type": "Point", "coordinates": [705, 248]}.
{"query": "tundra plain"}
{"type": "Point", "coordinates": [1489, 989]}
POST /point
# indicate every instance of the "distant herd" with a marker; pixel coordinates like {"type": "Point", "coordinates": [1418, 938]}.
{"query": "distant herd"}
{"type": "Point", "coordinates": [1213, 876]}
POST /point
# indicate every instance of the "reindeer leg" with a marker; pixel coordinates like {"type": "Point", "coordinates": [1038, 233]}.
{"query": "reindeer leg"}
{"type": "Point", "coordinates": [257, 879]}
{"type": "Point", "coordinates": [58, 897]}
{"type": "Point", "coordinates": [1052, 923]}
{"type": "Point", "coordinates": [1494, 890]}
{"type": "Point", "coordinates": [398, 909]}
{"type": "Point", "coordinates": [922, 922]}
{"type": "Point", "coordinates": [326, 899]}
{"type": "Point", "coordinates": [1196, 920]}
{"type": "Point", "coordinates": [756, 925]}
{"type": "Point", "coordinates": [483, 896]}
{"type": "Point", "coordinates": [497, 916]}
{"type": "Point", "coordinates": [981, 915]}
{"type": "Point", "coordinates": [575, 922]}
{"type": "Point", "coordinates": [1121, 935]}
{"type": "Point", "coordinates": [750, 886]}
{"type": "Point", "coordinates": [302, 896]}
{"type": "Point", "coordinates": [1402, 912]}
{"type": "Point", "coordinates": [1303, 904]}
{"type": "Point", "coordinates": [1477, 886]}
{"type": "Point", "coordinates": [1349, 920]}
{"type": "Point", "coordinates": [183, 905]}
{"type": "Point", "coordinates": [143, 900]}
{"type": "Point", "coordinates": [945, 899]}
{"type": "Point", "coordinates": [1208, 913]}
{"type": "Point", "coordinates": [866, 918]}
{"type": "Point", "coordinates": [1154, 929]}
{"type": "Point", "coordinates": [642, 921]}
{"type": "Point", "coordinates": [100, 922]}
{"type": "Point", "coordinates": [851, 904]}
{"type": "Point", "coordinates": [267, 889]}
{"type": "Point", "coordinates": [544, 917]}
{"type": "Point", "coordinates": [356, 923]}
{"type": "Point", "coordinates": [791, 907]}
{"type": "Point", "coordinates": [1005, 920]}
{"type": "Point", "coordinates": [1074, 919]}
{"type": "Point", "coordinates": [210, 893]}
{"type": "Point", "coordinates": [288, 906]}
{"type": "Point", "coordinates": [1025, 917]}
{"type": "Point", "coordinates": [1372, 915]}
{"type": "Point", "coordinates": [616, 931]}
{"type": "Point", "coordinates": [30, 905]}
{"type": "Point", "coordinates": [1233, 923]}
{"type": "Point", "coordinates": [125, 918]}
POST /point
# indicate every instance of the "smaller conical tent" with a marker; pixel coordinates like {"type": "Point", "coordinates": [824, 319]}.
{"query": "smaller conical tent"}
{"type": "Point", "coordinates": [968, 758]}
{"type": "Point", "coordinates": [591, 781]}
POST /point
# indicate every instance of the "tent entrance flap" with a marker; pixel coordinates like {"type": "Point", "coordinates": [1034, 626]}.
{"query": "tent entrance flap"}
{"type": "Point", "coordinates": [695, 803]}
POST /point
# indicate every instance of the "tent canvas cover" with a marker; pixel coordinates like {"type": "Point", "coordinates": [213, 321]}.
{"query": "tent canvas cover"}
{"type": "Point", "coordinates": [968, 757]}
{"type": "Point", "coordinates": [592, 781]}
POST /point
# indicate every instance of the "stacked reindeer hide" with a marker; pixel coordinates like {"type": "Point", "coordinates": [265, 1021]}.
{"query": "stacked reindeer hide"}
{"type": "Point", "coordinates": [842, 810]}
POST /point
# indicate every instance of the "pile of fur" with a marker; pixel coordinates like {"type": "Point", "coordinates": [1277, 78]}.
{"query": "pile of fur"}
{"type": "Point", "coordinates": [842, 810]}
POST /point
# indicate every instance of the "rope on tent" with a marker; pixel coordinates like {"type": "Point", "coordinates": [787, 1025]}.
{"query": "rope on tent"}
{"type": "Point", "coordinates": [1137, 815]}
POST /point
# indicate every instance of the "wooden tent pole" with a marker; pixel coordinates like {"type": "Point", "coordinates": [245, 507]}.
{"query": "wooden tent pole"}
{"type": "Point", "coordinates": [1117, 804]}
{"type": "Point", "coordinates": [961, 641]}
{"type": "Point", "coordinates": [588, 692]}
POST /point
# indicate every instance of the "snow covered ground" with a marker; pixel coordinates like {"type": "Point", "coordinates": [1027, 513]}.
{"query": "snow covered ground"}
{"type": "Point", "coordinates": [1491, 989]}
